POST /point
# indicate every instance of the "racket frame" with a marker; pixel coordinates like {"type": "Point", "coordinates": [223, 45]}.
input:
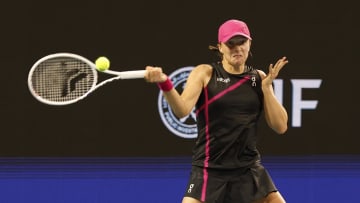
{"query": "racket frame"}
{"type": "Point", "coordinates": [118, 75]}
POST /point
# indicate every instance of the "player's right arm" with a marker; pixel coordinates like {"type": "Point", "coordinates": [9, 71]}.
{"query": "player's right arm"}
{"type": "Point", "coordinates": [183, 104]}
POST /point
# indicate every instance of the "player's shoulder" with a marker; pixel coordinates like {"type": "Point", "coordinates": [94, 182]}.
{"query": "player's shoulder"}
{"type": "Point", "coordinates": [204, 66]}
{"type": "Point", "coordinates": [201, 72]}
{"type": "Point", "coordinates": [203, 69]}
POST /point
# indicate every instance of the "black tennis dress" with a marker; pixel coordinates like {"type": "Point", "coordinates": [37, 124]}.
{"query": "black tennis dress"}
{"type": "Point", "coordinates": [226, 164]}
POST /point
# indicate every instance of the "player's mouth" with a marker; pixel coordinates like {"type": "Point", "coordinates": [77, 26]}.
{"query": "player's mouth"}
{"type": "Point", "coordinates": [237, 56]}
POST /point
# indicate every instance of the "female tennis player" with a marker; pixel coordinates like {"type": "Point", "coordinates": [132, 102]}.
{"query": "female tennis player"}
{"type": "Point", "coordinates": [229, 97]}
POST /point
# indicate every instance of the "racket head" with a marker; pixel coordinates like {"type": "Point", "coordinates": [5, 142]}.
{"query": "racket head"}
{"type": "Point", "coordinates": [62, 78]}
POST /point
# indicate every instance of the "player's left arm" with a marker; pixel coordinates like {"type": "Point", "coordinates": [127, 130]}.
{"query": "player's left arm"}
{"type": "Point", "coordinates": [275, 114]}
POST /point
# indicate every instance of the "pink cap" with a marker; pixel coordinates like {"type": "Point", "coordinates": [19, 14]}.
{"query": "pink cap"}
{"type": "Point", "coordinates": [232, 28]}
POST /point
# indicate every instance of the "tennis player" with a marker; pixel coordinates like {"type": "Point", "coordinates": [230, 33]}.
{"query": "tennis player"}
{"type": "Point", "coordinates": [229, 97]}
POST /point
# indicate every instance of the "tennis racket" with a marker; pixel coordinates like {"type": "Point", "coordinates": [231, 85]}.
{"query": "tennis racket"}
{"type": "Point", "coordinates": [66, 78]}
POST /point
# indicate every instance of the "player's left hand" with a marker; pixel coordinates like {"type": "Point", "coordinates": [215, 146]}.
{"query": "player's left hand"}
{"type": "Point", "coordinates": [274, 71]}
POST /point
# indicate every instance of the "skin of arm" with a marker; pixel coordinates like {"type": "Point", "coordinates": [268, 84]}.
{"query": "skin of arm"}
{"type": "Point", "coordinates": [183, 104]}
{"type": "Point", "coordinates": [275, 114]}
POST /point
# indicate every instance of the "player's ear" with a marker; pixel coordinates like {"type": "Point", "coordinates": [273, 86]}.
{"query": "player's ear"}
{"type": "Point", "coordinates": [219, 47]}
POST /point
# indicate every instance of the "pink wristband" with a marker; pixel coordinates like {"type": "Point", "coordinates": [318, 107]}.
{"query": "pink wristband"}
{"type": "Point", "coordinates": [166, 85]}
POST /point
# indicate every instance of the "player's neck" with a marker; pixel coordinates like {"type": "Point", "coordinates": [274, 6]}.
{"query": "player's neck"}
{"type": "Point", "coordinates": [234, 69]}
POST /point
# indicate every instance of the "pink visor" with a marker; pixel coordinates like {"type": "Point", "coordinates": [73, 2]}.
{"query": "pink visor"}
{"type": "Point", "coordinates": [232, 28]}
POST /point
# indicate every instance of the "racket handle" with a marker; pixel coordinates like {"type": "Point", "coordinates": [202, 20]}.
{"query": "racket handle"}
{"type": "Point", "coordinates": [128, 74]}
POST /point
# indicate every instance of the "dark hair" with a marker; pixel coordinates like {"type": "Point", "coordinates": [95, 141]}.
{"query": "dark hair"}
{"type": "Point", "coordinates": [215, 49]}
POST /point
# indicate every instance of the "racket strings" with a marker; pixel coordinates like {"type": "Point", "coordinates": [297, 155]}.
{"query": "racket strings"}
{"type": "Point", "coordinates": [62, 79]}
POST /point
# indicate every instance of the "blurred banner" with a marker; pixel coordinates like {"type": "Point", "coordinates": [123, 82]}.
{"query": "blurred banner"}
{"type": "Point", "coordinates": [130, 118]}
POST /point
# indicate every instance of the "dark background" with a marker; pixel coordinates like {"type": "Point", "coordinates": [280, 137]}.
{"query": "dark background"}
{"type": "Point", "coordinates": [122, 119]}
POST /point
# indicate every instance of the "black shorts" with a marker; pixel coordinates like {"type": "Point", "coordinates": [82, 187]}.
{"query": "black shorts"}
{"type": "Point", "coordinates": [228, 186]}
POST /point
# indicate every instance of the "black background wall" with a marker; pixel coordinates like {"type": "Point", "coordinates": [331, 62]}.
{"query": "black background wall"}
{"type": "Point", "coordinates": [121, 119]}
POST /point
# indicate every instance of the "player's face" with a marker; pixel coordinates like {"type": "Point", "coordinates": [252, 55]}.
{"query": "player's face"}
{"type": "Point", "coordinates": [236, 51]}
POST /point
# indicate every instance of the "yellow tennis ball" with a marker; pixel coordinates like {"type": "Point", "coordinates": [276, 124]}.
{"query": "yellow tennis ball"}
{"type": "Point", "coordinates": [102, 63]}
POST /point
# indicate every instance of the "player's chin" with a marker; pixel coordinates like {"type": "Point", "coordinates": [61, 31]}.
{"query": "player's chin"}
{"type": "Point", "coordinates": [238, 60]}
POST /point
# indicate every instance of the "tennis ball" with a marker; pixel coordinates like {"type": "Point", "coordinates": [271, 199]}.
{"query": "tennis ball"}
{"type": "Point", "coordinates": [102, 63]}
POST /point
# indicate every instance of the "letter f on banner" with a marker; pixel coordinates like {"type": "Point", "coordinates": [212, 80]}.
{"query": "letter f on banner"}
{"type": "Point", "coordinates": [298, 104]}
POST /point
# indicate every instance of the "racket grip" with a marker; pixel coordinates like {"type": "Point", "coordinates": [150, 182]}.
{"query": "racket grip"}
{"type": "Point", "coordinates": [130, 74]}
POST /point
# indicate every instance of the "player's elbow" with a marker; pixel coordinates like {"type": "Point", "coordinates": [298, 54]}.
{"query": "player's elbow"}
{"type": "Point", "coordinates": [182, 111]}
{"type": "Point", "coordinates": [181, 114]}
{"type": "Point", "coordinates": [281, 130]}
{"type": "Point", "coordinates": [279, 127]}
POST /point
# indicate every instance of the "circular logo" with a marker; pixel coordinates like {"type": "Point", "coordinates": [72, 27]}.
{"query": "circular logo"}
{"type": "Point", "coordinates": [183, 127]}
